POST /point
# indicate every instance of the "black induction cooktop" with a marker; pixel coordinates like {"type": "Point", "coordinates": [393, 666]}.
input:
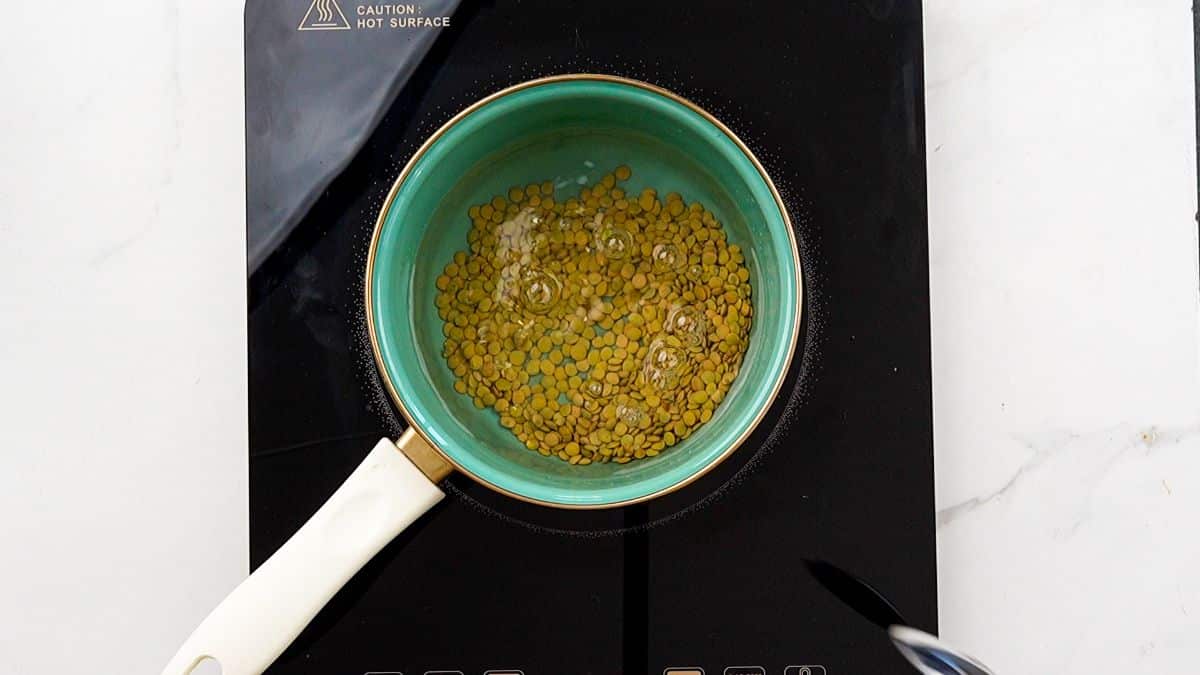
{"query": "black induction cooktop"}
{"type": "Point", "coordinates": [710, 578]}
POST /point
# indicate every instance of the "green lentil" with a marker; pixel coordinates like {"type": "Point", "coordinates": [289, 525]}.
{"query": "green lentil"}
{"type": "Point", "coordinates": [603, 327]}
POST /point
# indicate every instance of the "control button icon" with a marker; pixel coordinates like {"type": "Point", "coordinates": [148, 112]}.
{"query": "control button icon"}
{"type": "Point", "coordinates": [745, 670]}
{"type": "Point", "coordinates": [691, 670]}
{"type": "Point", "coordinates": [805, 670]}
{"type": "Point", "coordinates": [504, 672]}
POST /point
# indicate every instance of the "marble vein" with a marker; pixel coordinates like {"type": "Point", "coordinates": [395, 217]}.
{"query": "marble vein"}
{"type": "Point", "coordinates": [1128, 438]}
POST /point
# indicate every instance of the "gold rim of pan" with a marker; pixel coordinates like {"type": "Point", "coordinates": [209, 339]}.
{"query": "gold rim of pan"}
{"type": "Point", "coordinates": [379, 221]}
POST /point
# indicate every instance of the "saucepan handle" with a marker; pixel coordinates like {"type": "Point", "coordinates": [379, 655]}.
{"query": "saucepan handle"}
{"type": "Point", "coordinates": [261, 617]}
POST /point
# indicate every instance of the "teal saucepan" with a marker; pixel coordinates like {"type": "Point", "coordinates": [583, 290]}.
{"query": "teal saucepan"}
{"type": "Point", "coordinates": [571, 127]}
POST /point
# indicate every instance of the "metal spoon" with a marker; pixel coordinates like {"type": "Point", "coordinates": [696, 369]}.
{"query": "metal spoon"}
{"type": "Point", "coordinates": [931, 656]}
{"type": "Point", "coordinates": [928, 654]}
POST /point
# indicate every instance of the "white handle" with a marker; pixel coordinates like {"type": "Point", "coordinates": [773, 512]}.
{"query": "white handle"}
{"type": "Point", "coordinates": [261, 617]}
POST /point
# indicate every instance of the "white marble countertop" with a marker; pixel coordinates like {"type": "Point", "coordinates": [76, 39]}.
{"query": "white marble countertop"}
{"type": "Point", "coordinates": [1066, 331]}
{"type": "Point", "coordinates": [1062, 197]}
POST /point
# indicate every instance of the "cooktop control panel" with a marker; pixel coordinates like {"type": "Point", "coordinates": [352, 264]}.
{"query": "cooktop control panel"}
{"type": "Point", "coordinates": [810, 669]}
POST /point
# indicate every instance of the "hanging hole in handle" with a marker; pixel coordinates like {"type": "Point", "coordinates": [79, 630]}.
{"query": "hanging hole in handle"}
{"type": "Point", "coordinates": [206, 666]}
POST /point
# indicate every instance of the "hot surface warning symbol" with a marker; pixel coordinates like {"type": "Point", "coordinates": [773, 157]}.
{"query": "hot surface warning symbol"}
{"type": "Point", "coordinates": [324, 15]}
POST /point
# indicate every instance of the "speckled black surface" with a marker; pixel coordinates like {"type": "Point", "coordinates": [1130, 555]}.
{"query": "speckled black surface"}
{"type": "Point", "coordinates": [830, 97]}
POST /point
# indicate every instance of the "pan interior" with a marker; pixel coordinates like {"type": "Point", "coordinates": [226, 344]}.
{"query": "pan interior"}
{"type": "Point", "coordinates": [569, 130]}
